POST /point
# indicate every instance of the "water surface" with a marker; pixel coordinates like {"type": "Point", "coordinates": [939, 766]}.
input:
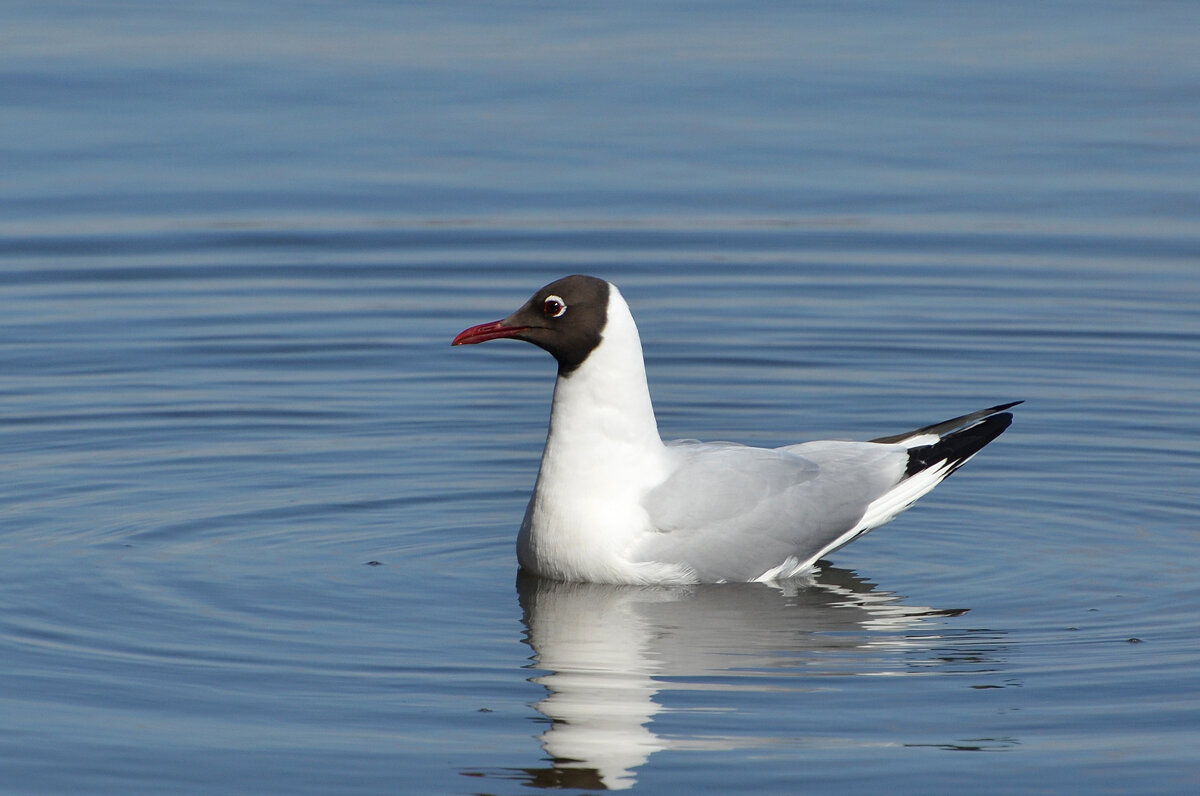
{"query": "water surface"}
{"type": "Point", "coordinates": [257, 517]}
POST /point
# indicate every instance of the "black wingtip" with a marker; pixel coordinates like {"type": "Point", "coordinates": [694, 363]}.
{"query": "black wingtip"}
{"type": "Point", "coordinates": [948, 426]}
{"type": "Point", "coordinates": [956, 448]}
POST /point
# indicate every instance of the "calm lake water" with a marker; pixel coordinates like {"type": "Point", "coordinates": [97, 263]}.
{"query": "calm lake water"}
{"type": "Point", "coordinates": [257, 517]}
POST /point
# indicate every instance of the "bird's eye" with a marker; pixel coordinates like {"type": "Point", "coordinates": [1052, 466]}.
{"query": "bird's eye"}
{"type": "Point", "coordinates": [554, 307]}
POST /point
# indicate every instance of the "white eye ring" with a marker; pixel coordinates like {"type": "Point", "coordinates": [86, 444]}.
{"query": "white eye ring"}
{"type": "Point", "coordinates": [554, 306]}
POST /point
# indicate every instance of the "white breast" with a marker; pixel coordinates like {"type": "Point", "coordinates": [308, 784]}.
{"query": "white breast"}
{"type": "Point", "coordinates": [603, 453]}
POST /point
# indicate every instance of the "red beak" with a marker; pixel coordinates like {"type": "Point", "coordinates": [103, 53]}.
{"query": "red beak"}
{"type": "Point", "coordinates": [487, 331]}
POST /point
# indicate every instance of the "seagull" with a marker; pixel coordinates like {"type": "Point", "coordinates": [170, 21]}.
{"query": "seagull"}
{"type": "Point", "coordinates": [614, 503]}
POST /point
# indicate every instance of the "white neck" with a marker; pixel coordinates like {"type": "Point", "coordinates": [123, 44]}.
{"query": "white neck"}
{"type": "Point", "coordinates": [607, 397]}
{"type": "Point", "coordinates": [602, 449]}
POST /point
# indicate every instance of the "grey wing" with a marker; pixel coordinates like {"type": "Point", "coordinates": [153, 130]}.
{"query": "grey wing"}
{"type": "Point", "coordinates": [732, 512]}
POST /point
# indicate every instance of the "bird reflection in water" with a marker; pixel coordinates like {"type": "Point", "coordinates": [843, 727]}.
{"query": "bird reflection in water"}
{"type": "Point", "coordinates": [606, 651]}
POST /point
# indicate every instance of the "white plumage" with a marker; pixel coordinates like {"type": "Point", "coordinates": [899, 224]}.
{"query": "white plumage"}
{"type": "Point", "coordinates": [613, 503]}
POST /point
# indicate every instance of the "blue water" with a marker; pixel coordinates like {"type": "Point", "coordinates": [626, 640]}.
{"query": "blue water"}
{"type": "Point", "coordinates": [257, 517]}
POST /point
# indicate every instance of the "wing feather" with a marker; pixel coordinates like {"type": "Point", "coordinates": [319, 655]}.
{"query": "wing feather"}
{"type": "Point", "coordinates": [734, 512]}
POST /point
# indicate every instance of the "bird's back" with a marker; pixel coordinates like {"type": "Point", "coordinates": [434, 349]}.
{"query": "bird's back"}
{"type": "Point", "coordinates": [733, 512]}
